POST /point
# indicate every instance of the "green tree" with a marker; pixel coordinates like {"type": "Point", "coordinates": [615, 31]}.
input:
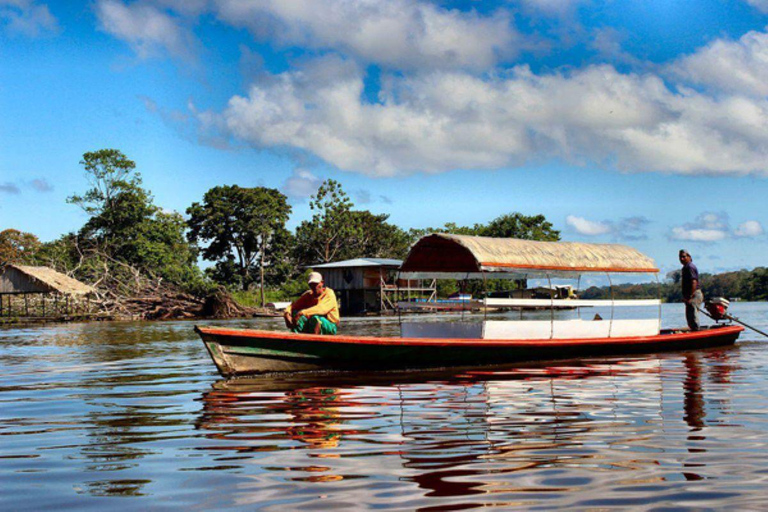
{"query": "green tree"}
{"type": "Point", "coordinates": [374, 237]}
{"type": "Point", "coordinates": [17, 247]}
{"type": "Point", "coordinates": [248, 223]}
{"type": "Point", "coordinates": [337, 232]}
{"type": "Point", "coordinates": [125, 227]}
{"type": "Point", "coordinates": [517, 225]}
{"type": "Point", "coordinates": [328, 234]}
{"type": "Point", "coordinates": [116, 202]}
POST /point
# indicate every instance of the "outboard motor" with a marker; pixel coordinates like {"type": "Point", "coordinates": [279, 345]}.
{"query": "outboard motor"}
{"type": "Point", "coordinates": [718, 308]}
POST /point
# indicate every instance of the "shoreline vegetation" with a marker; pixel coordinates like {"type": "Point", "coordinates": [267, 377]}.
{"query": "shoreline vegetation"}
{"type": "Point", "coordinates": [142, 260]}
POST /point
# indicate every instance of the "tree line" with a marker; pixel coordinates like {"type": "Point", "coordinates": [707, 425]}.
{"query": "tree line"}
{"type": "Point", "coordinates": [129, 246]}
{"type": "Point", "coordinates": [748, 285]}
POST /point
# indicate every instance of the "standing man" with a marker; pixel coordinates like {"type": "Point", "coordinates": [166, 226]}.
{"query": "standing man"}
{"type": "Point", "coordinates": [692, 295]}
{"type": "Point", "coordinates": [316, 311]}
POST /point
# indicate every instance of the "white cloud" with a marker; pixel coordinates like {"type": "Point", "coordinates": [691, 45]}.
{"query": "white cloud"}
{"type": "Point", "coordinates": [442, 120]}
{"type": "Point", "coordinates": [760, 5]}
{"type": "Point", "coordinates": [733, 66]}
{"type": "Point", "coordinates": [402, 34]}
{"type": "Point", "coordinates": [588, 227]}
{"type": "Point", "coordinates": [707, 227]}
{"type": "Point", "coordinates": [607, 41]}
{"type": "Point", "coordinates": [148, 30]}
{"type": "Point", "coordinates": [628, 228]}
{"type": "Point", "coordinates": [301, 184]}
{"type": "Point", "coordinates": [750, 228]}
{"type": "Point", "coordinates": [27, 17]}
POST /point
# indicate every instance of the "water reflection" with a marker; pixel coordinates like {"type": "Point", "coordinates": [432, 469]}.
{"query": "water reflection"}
{"type": "Point", "coordinates": [131, 416]}
{"type": "Point", "coordinates": [472, 438]}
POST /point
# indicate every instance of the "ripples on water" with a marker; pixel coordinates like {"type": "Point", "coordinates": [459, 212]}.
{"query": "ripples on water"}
{"type": "Point", "coordinates": [134, 416]}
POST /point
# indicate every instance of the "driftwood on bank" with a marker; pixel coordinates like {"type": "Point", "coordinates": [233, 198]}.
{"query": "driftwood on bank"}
{"type": "Point", "coordinates": [121, 291]}
{"type": "Point", "coordinates": [171, 305]}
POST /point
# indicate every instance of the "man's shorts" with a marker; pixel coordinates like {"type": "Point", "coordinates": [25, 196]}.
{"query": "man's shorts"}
{"type": "Point", "coordinates": [307, 325]}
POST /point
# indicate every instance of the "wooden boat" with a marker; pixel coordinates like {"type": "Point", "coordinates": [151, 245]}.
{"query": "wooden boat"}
{"type": "Point", "coordinates": [449, 344]}
{"type": "Point", "coordinates": [246, 351]}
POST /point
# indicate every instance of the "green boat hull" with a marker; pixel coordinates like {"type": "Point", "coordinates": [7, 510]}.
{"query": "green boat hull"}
{"type": "Point", "coordinates": [241, 351]}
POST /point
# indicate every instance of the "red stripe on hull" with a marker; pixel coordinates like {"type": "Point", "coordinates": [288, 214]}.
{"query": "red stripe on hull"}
{"type": "Point", "coordinates": [240, 351]}
{"type": "Point", "coordinates": [375, 340]}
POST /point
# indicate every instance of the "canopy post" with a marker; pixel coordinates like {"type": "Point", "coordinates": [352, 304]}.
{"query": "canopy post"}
{"type": "Point", "coordinates": [485, 293]}
{"type": "Point", "coordinates": [462, 289]}
{"type": "Point", "coordinates": [521, 293]}
{"type": "Point", "coordinates": [578, 289]}
{"type": "Point", "coordinates": [658, 288]}
{"type": "Point", "coordinates": [613, 300]}
{"type": "Point", "coordinates": [397, 301]}
{"type": "Point", "coordinates": [551, 309]}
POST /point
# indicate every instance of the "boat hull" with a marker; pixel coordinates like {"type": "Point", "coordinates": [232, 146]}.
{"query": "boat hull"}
{"type": "Point", "coordinates": [245, 351]}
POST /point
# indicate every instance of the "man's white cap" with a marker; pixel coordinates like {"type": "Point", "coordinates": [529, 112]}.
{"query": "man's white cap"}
{"type": "Point", "coordinates": [315, 277]}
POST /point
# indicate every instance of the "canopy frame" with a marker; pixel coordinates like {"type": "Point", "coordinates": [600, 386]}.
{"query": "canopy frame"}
{"type": "Point", "coordinates": [447, 256]}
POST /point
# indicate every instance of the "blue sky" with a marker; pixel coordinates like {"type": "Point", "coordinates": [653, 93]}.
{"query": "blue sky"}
{"type": "Point", "coordinates": [640, 122]}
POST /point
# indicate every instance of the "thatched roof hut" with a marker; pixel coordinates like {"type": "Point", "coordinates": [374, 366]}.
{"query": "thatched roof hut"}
{"type": "Point", "coordinates": [19, 279]}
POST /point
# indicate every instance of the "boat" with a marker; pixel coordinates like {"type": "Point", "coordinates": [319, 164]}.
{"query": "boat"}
{"type": "Point", "coordinates": [430, 344]}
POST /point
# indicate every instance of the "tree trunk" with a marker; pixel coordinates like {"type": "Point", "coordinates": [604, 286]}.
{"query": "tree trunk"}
{"type": "Point", "coordinates": [261, 265]}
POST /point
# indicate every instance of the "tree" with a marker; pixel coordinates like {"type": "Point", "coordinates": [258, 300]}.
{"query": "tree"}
{"type": "Point", "coordinates": [244, 222]}
{"type": "Point", "coordinates": [17, 247]}
{"type": "Point", "coordinates": [374, 237]}
{"type": "Point", "coordinates": [116, 202]}
{"type": "Point", "coordinates": [126, 228]}
{"type": "Point", "coordinates": [517, 225]}
{"type": "Point", "coordinates": [331, 229]}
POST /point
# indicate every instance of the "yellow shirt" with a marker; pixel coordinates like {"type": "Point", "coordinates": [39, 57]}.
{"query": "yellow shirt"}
{"type": "Point", "coordinates": [324, 305]}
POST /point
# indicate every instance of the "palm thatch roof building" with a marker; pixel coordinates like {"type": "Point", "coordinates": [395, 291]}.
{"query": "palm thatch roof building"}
{"type": "Point", "coordinates": [19, 282]}
{"type": "Point", "coordinates": [17, 279]}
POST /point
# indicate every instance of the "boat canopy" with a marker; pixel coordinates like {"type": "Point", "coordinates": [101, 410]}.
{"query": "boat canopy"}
{"type": "Point", "coordinates": [462, 257]}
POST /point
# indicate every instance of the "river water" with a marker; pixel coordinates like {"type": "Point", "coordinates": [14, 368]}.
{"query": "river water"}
{"type": "Point", "coordinates": [133, 416]}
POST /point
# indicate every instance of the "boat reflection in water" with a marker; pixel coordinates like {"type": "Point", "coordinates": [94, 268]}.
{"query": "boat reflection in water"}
{"type": "Point", "coordinates": [595, 433]}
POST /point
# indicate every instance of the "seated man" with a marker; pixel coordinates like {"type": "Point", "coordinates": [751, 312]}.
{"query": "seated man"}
{"type": "Point", "coordinates": [316, 311]}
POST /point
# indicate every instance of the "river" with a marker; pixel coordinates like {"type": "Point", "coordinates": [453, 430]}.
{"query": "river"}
{"type": "Point", "coordinates": [133, 416]}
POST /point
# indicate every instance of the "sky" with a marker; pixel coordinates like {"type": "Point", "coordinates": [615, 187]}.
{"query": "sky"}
{"type": "Point", "coordinates": [642, 122]}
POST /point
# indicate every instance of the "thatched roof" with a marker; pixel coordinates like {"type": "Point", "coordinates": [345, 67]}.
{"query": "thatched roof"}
{"type": "Point", "coordinates": [444, 253]}
{"type": "Point", "coordinates": [26, 279]}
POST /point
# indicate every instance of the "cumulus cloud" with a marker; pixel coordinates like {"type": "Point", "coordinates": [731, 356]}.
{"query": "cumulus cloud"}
{"type": "Point", "coordinates": [733, 66]}
{"type": "Point", "coordinates": [301, 184]}
{"type": "Point", "coordinates": [607, 41]}
{"type": "Point", "coordinates": [588, 227]}
{"type": "Point", "coordinates": [402, 34]}
{"type": "Point", "coordinates": [9, 188]}
{"type": "Point", "coordinates": [748, 229]}
{"type": "Point", "coordinates": [628, 228]}
{"type": "Point", "coordinates": [149, 30]}
{"type": "Point", "coordinates": [447, 120]}
{"type": "Point", "coordinates": [27, 17]}
{"type": "Point", "coordinates": [707, 227]}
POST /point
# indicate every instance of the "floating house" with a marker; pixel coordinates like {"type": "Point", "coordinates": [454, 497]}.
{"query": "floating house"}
{"type": "Point", "coordinates": [370, 285]}
{"type": "Point", "coordinates": [40, 292]}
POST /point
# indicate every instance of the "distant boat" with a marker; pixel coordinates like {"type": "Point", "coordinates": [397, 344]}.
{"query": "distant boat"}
{"type": "Point", "coordinates": [454, 343]}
